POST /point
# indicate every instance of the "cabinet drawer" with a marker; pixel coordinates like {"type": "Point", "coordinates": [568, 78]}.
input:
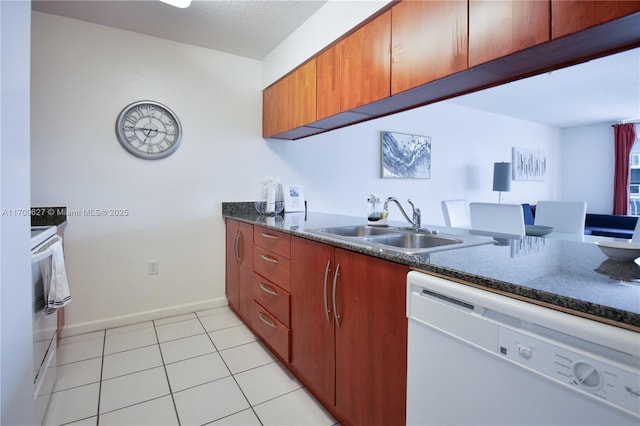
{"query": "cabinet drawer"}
{"type": "Point", "coordinates": [272, 297]}
{"type": "Point", "coordinates": [272, 331]}
{"type": "Point", "coordinates": [277, 242]}
{"type": "Point", "coordinates": [273, 267]}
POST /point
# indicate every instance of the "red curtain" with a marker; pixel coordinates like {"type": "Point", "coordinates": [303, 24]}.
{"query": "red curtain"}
{"type": "Point", "coordinates": [625, 136]}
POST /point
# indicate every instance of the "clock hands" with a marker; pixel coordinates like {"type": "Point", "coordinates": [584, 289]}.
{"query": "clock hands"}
{"type": "Point", "coordinates": [149, 129]}
{"type": "Point", "coordinates": [147, 135]}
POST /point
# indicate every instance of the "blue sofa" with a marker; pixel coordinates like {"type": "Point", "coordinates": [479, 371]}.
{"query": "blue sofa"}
{"type": "Point", "coordinates": [603, 225]}
{"type": "Point", "coordinates": [609, 225]}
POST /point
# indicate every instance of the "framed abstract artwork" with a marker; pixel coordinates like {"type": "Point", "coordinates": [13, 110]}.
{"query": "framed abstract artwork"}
{"type": "Point", "coordinates": [405, 156]}
{"type": "Point", "coordinates": [529, 164]}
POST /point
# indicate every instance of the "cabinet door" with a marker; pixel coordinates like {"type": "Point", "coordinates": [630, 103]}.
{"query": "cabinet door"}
{"type": "Point", "coordinates": [499, 28]}
{"type": "Point", "coordinates": [290, 102]}
{"type": "Point", "coordinates": [245, 270]}
{"type": "Point", "coordinates": [366, 64]}
{"type": "Point", "coordinates": [274, 109]}
{"type": "Point", "coordinates": [302, 95]}
{"type": "Point", "coordinates": [569, 16]}
{"type": "Point", "coordinates": [429, 41]}
{"type": "Point", "coordinates": [328, 82]}
{"type": "Point", "coordinates": [312, 345]}
{"type": "Point", "coordinates": [232, 280]}
{"type": "Point", "coordinates": [371, 340]}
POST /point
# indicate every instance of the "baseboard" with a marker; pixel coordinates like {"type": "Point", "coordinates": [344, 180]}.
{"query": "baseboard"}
{"type": "Point", "coordinates": [91, 326]}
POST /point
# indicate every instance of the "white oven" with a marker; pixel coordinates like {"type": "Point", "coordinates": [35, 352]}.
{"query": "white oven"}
{"type": "Point", "coordinates": [44, 325]}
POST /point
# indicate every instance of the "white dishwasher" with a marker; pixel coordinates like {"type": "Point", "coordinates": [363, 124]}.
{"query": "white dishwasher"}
{"type": "Point", "coordinates": [478, 358]}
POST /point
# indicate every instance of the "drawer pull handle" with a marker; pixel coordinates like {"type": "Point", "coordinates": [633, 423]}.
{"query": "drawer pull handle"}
{"type": "Point", "coordinates": [266, 321]}
{"type": "Point", "coordinates": [268, 290]}
{"type": "Point", "coordinates": [268, 236]}
{"type": "Point", "coordinates": [269, 259]}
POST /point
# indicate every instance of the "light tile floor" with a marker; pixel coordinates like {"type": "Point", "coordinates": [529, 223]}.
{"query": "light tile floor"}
{"type": "Point", "coordinates": [201, 368]}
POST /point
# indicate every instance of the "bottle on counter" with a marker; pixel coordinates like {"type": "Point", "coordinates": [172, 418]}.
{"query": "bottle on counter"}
{"type": "Point", "coordinates": [376, 214]}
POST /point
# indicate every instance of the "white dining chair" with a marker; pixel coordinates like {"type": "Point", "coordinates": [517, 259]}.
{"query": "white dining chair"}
{"type": "Point", "coordinates": [500, 218]}
{"type": "Point", "coordinates": [563, 216]}
{"type": "Point", "coordinates": [456, 213]}
{"type": "Point", "coordinates": [636, 233]}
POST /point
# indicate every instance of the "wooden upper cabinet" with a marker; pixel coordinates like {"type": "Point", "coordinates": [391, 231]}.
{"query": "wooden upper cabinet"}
{"type": "Point", "coordinates": [291, 101]}
{"type": "Point", "coordinates": [499, 28]}
{"type": "Point", "coordinates": [366, 64]}
{"type": "Point", "coordinates": [571, 16]}
{"type": "Point", "coordinates": [428, 42]}
{"type": "Point", "coordinates": [274, 120]}
{"type": "Point", "coordinates": [302, 95]}
{"type": "Point", "coordinates": [329, 82]}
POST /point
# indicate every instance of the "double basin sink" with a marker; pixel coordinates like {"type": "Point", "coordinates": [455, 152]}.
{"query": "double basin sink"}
{"type": "Point", "coordinates": [403, 240]}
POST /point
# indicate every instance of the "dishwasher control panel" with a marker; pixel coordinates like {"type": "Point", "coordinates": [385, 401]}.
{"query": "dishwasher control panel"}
{"type": "Point", "coordinates": [612, 382]}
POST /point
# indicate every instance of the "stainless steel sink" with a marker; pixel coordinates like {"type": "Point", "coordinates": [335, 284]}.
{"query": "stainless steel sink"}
{"type": "Point", "coordinates": [402, 240]}
{"type": "Point", "coordinates": [410, 240]}
{"type": "Point", "coordinates": [358, 231]}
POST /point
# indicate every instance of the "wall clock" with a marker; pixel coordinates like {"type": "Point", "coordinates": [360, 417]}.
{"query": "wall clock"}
{"type": "Point", "coordinates": [148, 130]}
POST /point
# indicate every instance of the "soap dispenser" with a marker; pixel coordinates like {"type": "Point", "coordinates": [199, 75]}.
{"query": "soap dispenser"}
{"type": "Point", "coordinates": [376, 215]}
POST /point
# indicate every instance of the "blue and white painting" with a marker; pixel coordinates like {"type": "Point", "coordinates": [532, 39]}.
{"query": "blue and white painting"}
{"type": "Point", "coordinates": [405, 156]}
{"type": "Point", "coordinates": [529, 164]}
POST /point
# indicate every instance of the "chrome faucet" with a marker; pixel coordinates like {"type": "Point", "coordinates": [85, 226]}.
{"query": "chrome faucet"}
{"type": "Point", "coordinates": [417, 216]}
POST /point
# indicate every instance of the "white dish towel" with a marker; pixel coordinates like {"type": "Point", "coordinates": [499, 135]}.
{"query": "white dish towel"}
{"type": "Point", "coordinates": [54, 278]}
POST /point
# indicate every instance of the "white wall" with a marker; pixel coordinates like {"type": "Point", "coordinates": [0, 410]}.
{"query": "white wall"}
{"type": "Point", "coordinates": [84, 74]}
{"type": "Point", "coordinates": [340, 168]}
{"type": "Point", "coordinates": [16, 347]}
{"type": "Point", "coordinates": [588, 166]}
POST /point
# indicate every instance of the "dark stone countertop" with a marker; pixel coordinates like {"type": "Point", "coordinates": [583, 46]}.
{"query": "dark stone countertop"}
{"type": "Point", "coordinates": [48, 216]}
{"type": "Point", "coordinates": [574, 276]}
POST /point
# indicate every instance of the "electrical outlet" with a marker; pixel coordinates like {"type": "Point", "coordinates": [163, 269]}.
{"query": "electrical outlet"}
{"type": "Point", "coordinates": [154, 266]}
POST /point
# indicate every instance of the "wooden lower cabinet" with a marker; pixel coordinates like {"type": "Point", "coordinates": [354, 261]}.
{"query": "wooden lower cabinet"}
{"type": "Point", "coordinates": [272, 331]}
{"type": "Point", "coordinates": [239, 266]}
{"type": "Point", "coordinates": [352, 354]}
{"type": "Point", "coordinates": [312, 326]}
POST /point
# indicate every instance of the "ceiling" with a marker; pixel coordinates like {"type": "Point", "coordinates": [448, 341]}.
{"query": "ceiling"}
{"type": "Point", "coordinates": [600, 91]}
{"type": "Point", "coordinates": [603, 90]}
{"type": "Point", "coordinates": [246, 28]}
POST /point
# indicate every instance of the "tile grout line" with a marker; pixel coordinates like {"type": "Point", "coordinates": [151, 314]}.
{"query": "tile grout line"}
{"type": "Point", "coordinates": [232, 375]}
{"type": "Point", "coordinates": [104, 344]}
{"type": "Point", "coordinates": [164, 366]}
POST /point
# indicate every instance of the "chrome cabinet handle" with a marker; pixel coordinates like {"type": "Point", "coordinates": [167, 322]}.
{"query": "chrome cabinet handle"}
{"type": "Point", "coordinates": [268, 290]}
{"type": "Point", "coordinates": [269, 236]}
{"type": "Point", "coordinates": [236, 246]}
{"type": "Point", "coordinates": [327, 311]}
{"type": "Point", "coordinates": [269, 323]}
{"type": "Point", "coordinates": [335, 306]}
{"type": "Point", "coordinates": [269, 259]}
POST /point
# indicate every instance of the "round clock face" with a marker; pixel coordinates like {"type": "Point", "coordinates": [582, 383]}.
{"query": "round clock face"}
{"type": "Point", "coordinates": [148, 130]}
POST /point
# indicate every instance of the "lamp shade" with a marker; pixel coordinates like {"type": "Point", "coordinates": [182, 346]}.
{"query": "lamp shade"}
{"type": "Point", "coordinates": [501, 176]}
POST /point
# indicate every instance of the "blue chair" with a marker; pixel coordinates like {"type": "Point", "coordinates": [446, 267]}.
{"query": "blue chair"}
{"type": "Point", "coordinates": [527, 210]}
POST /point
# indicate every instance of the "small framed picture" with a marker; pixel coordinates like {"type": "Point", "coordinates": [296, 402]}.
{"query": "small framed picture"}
{"type": "Point", "coordinates": [293, 197]}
